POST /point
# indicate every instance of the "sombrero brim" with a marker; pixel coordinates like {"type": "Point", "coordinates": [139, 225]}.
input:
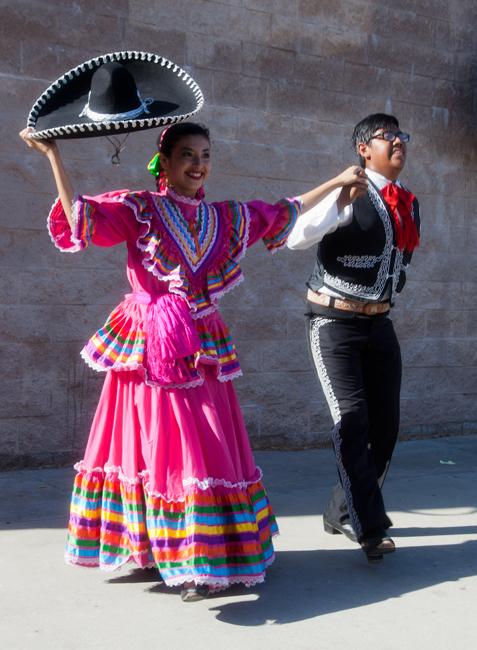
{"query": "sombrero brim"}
{"type": "Point", "coordinates": [176, 97]}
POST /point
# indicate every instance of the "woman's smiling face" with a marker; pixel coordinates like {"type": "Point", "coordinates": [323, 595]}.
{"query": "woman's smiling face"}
{"type": "Point", "coordinates": [188, 166]}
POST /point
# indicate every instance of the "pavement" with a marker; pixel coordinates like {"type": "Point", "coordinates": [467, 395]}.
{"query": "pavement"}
{"type": "Point", "coordinates": [319, 594]}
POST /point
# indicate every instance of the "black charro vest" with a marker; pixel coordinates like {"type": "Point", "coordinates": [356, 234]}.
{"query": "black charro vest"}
{"type": "Point", "coordinates": [361, 260]}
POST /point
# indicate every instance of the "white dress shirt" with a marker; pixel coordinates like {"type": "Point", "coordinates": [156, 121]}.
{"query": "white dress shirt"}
{"type": "Point", "coordinates": [324, 218]}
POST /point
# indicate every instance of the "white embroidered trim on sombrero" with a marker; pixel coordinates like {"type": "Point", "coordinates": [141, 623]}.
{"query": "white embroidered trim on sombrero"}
{"type": "Point", "coordinates": [92, 127]}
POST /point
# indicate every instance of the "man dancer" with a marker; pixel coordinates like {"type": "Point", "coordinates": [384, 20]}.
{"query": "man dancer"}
{"type": "Point", "coordinates": [365, 242]}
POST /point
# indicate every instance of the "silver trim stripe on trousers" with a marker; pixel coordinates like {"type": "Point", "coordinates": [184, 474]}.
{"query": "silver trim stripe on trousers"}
{"type": "Point", "coordinates": [315, 325]}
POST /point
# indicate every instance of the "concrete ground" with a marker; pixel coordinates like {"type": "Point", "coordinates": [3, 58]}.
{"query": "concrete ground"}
{"type": "Point", "coordinates": [320, 593]}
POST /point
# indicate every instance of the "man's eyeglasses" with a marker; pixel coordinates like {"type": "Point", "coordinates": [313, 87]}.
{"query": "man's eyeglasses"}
{"type": "Point", "coordinates": [390, 136]}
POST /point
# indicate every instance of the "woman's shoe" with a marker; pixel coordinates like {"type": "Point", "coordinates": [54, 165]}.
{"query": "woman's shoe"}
{"type": "Point", "coordinates": [191, 592]}
{"type": "Point", "coordinates": [376, 547]}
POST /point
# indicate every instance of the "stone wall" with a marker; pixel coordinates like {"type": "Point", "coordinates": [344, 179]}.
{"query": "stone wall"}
{"type": "Point", "coordinates": [284, 82]}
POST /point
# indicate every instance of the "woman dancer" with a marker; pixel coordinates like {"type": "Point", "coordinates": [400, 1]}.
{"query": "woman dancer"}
{"type": "Point", "coordinates": [168, 479]}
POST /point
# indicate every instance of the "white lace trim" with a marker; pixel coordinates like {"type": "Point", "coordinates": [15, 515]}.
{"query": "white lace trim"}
{"type": "Point", "coordinates": [109, 568]}
{"type": "Point", "coordinates": [204, 484]}
{"type": "Point", "coordinates": [110, 469]}
{"type": "Point", "coordinates": [180, 198]}
{"type": "Point", "coordinates": [215, 584]}
{"type": "Point", "coordinates": [117, 365]}
{"type": "Point", "coordinates": [176, 283]}
{"type": "Point", "coordinates": [74, 214]}
{"type": "Point", "coordinates": [230, 377]}
{"type": "Point", "coordinates": [143, 478]}
{"type": "Point", "coordinates": [86, 562]}
{"type": "Point", "coordinates": [121, 366]}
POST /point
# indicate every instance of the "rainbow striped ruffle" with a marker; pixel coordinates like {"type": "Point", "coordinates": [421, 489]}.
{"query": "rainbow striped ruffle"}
{"type": "Point", "coordinates": [218, 536]}
{"type": "Point", "coordinates": [121, 344]}
{"type": "Point", "coordinates": [291, 209]}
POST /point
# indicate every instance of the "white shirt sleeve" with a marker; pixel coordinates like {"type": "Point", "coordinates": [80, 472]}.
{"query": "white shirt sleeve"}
{"type": "Point", "coordinates": [313, 225]}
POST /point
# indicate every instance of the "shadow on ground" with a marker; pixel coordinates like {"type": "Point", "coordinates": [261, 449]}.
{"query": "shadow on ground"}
{"type": "Point", "coordinates": [306, 584]}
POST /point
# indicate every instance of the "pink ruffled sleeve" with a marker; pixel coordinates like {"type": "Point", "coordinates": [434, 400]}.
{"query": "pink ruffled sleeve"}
{"type": "Point", "coordinates": [104, 220]}
{"type": "Point", "coordinates": [272, 223]}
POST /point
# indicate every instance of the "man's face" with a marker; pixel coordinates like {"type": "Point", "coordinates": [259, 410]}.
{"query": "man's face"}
{"type": "Point", "coordinates": [385, 152]}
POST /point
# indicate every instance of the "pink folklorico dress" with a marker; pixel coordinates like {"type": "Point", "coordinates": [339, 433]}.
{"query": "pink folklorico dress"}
{"type": "Point", "coordinates": [168, 477]}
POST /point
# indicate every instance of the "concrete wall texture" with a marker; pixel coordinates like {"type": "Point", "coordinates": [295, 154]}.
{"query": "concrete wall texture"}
{"type": "Point", "coordinates": [284, 83]}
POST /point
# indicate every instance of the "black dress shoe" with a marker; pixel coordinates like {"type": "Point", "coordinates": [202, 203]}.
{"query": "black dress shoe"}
{"type": "Point", "coordinates": [375, 548]}
{"type": "Point", "coordinates": [339, 528]}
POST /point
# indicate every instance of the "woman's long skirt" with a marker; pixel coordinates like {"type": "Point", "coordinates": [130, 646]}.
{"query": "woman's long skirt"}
{"type": "Point", "coordinates": [168, 480]}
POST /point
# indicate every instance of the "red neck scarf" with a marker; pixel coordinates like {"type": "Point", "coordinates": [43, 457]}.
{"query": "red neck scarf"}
{"type": "Point", "coordinates": [400, 202]}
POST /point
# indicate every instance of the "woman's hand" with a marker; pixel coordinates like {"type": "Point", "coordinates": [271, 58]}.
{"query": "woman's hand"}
{"type": "Point", "coordinates": [45, 147]}
{"type": "Point", "coordinates": [354, 184]}
{"type": "Point", "coordinates": [352, 181]}
{"type": "Point", "coordinates": [353, 175]}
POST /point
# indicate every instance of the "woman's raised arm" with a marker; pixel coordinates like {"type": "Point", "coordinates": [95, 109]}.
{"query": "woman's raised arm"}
{"type": "Point", "coordinates": [49, 149]}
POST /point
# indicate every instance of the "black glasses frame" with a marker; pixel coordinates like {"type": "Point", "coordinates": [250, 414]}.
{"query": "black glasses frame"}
{"type": "Point", "coordinates": [390, 136]}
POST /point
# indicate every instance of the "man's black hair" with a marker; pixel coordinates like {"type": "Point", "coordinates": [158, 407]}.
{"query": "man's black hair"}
{"type": "Point", "coordinates": [367, 127]}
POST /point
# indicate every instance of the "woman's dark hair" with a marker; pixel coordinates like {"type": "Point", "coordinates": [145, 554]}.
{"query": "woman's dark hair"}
{"type": "Point", "coordinates": [365, 129]}
{"type": "Point", "coordinates": [170, 135]}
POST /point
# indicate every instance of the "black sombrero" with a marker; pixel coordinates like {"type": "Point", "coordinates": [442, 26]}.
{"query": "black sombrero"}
{"type": "Point", "coordinates": [115, 93]}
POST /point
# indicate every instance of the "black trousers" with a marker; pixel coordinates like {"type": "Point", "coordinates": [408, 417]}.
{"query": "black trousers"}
{"type": "Point", "coordinates": [358, 362]}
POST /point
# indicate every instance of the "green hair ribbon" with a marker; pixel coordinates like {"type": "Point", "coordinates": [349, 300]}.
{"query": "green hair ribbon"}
{"type": "Point", "coordinates": [154, 165]}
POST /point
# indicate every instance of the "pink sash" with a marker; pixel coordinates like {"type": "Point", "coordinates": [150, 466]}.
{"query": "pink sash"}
{"type": "Point", "coordinates": [171, 335]}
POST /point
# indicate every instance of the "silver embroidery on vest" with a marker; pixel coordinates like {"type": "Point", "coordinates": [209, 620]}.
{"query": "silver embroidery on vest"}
{"type": "Point", "coordinates": [374, 292]}
{"type": "Point", "coordinates": [360, 261]}
{"type": "Point", "coordinates": [398, 267]}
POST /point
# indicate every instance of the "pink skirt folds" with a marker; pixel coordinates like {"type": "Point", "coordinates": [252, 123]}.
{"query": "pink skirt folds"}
{"type": "Point", "coordinates": [168, 480]}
